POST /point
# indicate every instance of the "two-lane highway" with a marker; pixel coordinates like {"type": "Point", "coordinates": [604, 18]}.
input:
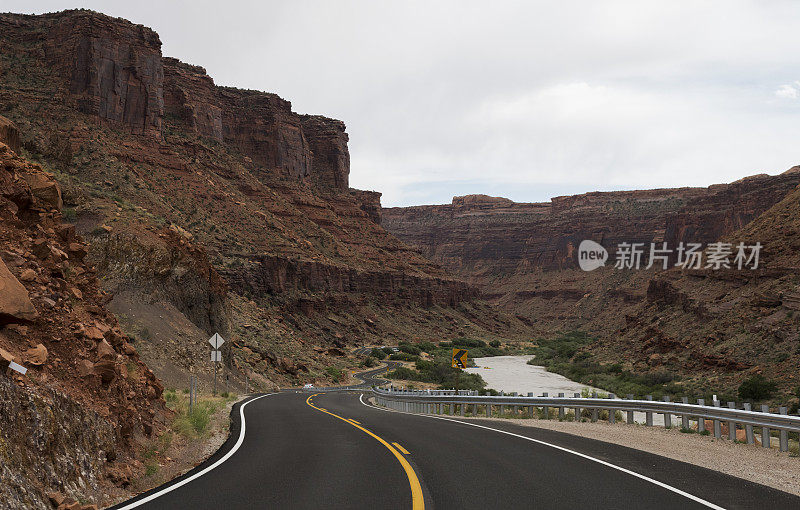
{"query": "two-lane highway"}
{"type": "Point", "coordinates": [331, 450]}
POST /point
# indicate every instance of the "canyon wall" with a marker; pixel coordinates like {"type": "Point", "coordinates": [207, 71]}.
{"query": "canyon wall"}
{"type": "Point", "coordinates": [113, 69]}
{"type": "Point", "coordinates": [478, 236]}
{"type": "Point", "coordinates": [710, 329]}
{"type": "Point", "coordinates": [212, 208]}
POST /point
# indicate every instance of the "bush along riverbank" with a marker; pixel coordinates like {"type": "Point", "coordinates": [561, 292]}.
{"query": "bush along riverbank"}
{"type": "Point", "coordinates": [569, 354]}
{"type": "Point", "coordinates": [432, 361]}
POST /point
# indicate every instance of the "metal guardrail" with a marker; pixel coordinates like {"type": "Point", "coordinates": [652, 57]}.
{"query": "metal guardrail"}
{"type": "Point", "coordinates": [469, 403]}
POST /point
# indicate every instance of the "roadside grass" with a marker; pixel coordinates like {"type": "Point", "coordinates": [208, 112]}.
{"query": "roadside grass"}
{"type": "Point", "coordinates": [194, 424]}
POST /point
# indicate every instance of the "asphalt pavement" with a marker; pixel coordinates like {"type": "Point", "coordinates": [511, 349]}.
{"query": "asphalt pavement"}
{"type": "Point", "coordinates": [330, 450]}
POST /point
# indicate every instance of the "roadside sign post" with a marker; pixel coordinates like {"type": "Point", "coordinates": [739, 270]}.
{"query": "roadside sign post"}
{"type": "Point", "coordinates": [459, 360]}
{"type": "Point", "coordinates": [216, 342]}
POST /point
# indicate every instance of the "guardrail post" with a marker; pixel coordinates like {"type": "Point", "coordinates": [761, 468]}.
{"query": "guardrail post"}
{"type": "Point", "coordinates": [630, 413]}
{"type": "Point", "coordinates": [463, 408]}
{"type": "Point", "coordinates": [685, 417]}
{"type": "Point", "coordinates": [546, 409]}
{"type": "Point", "coordinates": [667, 416]}
{"type": "Point", "coordinates": [748, 429]}
{"type": "Point", "coordinates": [765, 436]}
{"type": "Point", "coordinates": [784, 433]}
{"type": "Point", "coordinates": [577, 409]}
{"type": "Point", "coordinates": [731, 423]}
{"type": "Point", "coordinates": [452, 409]}
{"type": "Point", "coordinates": [717, 425]}
{"type": "Point", "coordinates": [594, 411]}
{"type": "Point", "coordinates": [561, 408]}
{"type": "Point", "coordinates": [648, 415]}
{"type": "Point", "coordinates": [701, 420]}
{"type": "Point", "coordinates": [612, 413]}
{"type": "Point", "coordinates": [488, 410]}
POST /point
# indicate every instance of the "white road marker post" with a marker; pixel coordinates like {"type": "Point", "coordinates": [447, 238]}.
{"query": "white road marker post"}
{"type": "Point", "coordinates": [17, 368]}
{"type": "Point", "coordinates": [216, 342]}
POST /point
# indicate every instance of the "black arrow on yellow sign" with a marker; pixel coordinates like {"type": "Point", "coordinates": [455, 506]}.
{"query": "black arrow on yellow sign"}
{"type": "Point", "coordinates": [459, 358]}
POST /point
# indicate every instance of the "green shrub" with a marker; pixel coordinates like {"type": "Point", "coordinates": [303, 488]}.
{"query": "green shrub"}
{"type": "Point", "coordinates": [439, 372]}
{"type": "Point", "coordinates": [428, 347]}
{"type": "Point", "coordinates": [410, 349]}
{"type": "Point", "coordinates": [495, 343]}
{"type": "Point", "coordinates": [369, 362]}
{"type": "Point", "coordinates": [402, 356]}
{"type": "Point", "coordinates": [757, 388]}
{"type": "Point", "coordinates": [69, 215]}
{"type": "Point", "coordinates": [377, 353]}
{"type": "Point", "coordinates": [334, 373]}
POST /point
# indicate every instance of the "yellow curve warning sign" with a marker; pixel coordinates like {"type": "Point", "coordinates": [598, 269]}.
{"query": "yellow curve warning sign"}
{"type": "Point", "coordinates": [459, 358]}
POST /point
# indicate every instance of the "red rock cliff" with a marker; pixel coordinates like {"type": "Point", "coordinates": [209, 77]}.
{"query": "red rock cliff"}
{"type": "Point", "coordinates": [112, 68]}
{"type": "Point", "coordinates": [479, 232]}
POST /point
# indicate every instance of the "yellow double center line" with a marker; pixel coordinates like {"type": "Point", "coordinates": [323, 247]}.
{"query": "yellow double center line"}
{"type": "Point", "coordinates": [417, 500]}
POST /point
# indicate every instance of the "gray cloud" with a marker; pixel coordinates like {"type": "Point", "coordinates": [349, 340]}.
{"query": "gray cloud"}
{"type": "Point", "coordinates": [520, 99]}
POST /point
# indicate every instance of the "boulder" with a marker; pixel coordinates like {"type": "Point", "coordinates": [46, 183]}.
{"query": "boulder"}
{"type": "Point", "coordinates": [5, 358]}
{"type": "Point", "coordinates": [15, 303]}
{"type": "Point", "coordinates": [93, 333]}
{"type": "Point", "coordinates": [45, 189]}
{"type": "Point", "coordinates": [36, 356]}
{"type": "Point", "coordinates": [9, 134]}
{"type": "Point", "coordinates": [106, 369]}
{"type": "Point", "coordinates": [85, 368]}
{"type": "Point", "coordinates": [56, 498]}
{"type": "Point", "coordinates": [105, 351]}
{"type": "Point", "coordinates": [28, 275]}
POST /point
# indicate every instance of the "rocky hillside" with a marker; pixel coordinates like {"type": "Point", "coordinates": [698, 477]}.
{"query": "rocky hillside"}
{"type": "Point", "coordinates": [741, 323]}
{"type": "Point", "coordinates": [68, 427]}
{"type": "Point", "coordinates": [211, 208]}
{"type": "Point", "coordinates": [524, 257]}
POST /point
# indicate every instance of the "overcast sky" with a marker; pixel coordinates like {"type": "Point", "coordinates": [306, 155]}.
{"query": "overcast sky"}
{"type": "Point", "coordinates": [525, 100]}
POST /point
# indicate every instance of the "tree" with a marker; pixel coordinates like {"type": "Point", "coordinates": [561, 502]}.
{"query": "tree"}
{"type": "Point", "coordinates": [757, 388]}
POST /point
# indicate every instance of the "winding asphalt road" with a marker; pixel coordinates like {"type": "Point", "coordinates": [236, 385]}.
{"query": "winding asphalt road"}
{"type": "Point", "coordinates": [332, 450]}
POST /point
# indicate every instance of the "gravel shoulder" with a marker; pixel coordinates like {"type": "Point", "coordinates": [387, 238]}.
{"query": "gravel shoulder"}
{"type": "Point", "coordinates": [765, 466]}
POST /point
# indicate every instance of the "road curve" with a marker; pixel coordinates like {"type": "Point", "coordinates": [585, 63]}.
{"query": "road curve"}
{"type": "Point", "coordinates": [369, 378]}
{"type": "Point", "coordinates": [331, 450]}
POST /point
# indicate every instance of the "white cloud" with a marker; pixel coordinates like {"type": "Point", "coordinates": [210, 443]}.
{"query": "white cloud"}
{"type": "Point", "coordinates": [788, 91]}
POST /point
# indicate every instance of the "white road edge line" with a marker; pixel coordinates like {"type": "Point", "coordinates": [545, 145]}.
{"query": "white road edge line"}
{"type": "Point", "coordinates": [579, 454]}
{"type": "Point", "coordinates": [197, 475]}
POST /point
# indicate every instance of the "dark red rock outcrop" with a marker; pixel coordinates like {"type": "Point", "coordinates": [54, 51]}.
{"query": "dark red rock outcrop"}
{"type": "Point", "coordinates": [277, 275]}
{"type": "Point", "coordinates": [9, 134]}
{"type": "Point", "coordinates": [262, 126]}
{"type": "Point", "coordinates": [479, 232]}
{"type": "Point", "coordinates": [370, 202]}
{"type": "Point", "coordinates": [330, 167]}
{"type": "Point", "coordinates": [112, 68]}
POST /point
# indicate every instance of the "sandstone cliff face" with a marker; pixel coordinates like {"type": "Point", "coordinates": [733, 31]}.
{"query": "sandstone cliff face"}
{"type": "Point", "coordinates": [112, 70]}
{"type": "Point", "coordinates": [76, 415]}
{"type": "Point", "coordinates": [262, 126]}
{"type": "Point", "coordinates": [477, 234]}
{"type": "Point", "coordinates": [277, 275]}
